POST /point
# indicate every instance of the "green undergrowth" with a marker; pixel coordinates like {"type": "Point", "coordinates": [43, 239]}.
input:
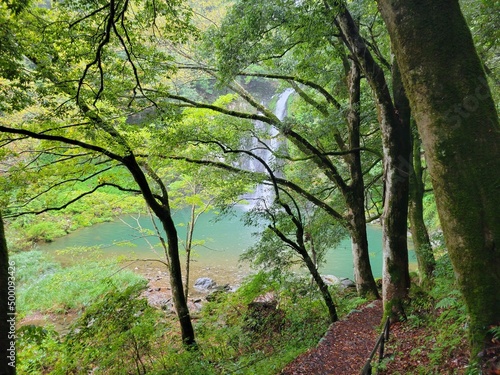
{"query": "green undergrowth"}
{"type": "Point", "coordinates": [437, 320]}
{"type": "Point", "coordinates": [119, 333]}
{"type": "Point", "coordinates": [45, 287]}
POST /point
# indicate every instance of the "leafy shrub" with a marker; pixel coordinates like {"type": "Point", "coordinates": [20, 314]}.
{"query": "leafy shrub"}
{"type": "Point", "coordinates": [237, 340]}
{"type": "Point", "coordinates": [115, 335]}
{"type": "Point", "coordinates": [45, 231]}
{"type": "Point", "coordinates": [38, 349]}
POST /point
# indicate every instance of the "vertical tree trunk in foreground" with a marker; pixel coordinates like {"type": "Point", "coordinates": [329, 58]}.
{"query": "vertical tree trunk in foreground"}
{"type": "Point", "coordinates": [162, 212]}
{"type": "Point", "coordinates": [7, 357]}
{"type": "Point", "coordinates": [458, 124]}
{"type": "Point", "coordinates": [396, 145]}
{"type": "Point", "coordinates": [355, 195]}
{"type": "Point", "coordinates": [396, 162]}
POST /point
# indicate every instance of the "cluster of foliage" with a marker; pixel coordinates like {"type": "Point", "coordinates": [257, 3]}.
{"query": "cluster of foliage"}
{"type": "Point", "coordinates": [119, 332]}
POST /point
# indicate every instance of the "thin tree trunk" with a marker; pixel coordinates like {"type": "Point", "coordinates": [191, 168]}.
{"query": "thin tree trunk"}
{"type": "Point", "coordinates": [323, 288]}
{"type": "Point", "coordinates": [458, 124]}
{"type": "Point", "coordinates": [353, 194]}
{"type": "Point", "coordinates": [189, 247]}
{"type": "Point", "coordinates": [420, 235]}
{"type": "Point", "coordinates": [180, 302]}
{"type": "Point", "coordinates": [7, 310]}
{"type": "Point", "coordinates": [301, 250]}
{"type": "Point", "coordinates": [162, 211]}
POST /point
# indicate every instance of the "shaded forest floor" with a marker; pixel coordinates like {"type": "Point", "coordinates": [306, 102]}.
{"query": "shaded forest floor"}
{"type": "Point", "coordinates": [344, 348]}
{"type": "Point", "coordinates": [348, 343]}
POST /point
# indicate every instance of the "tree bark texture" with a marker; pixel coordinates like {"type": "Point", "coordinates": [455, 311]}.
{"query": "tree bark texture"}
{"type": "Point", "coordinates": [458, 124]}
{"type": "Point", "coordinates": [420, 236]}
{"type": "Point", "coordinates": [396, 160]}
{"type": "Point", "coordinates": [7, 358]}
{"type": "Point", "coordinates": [355, 194]}
{"type": "Point", "coordinates": [396, 147]}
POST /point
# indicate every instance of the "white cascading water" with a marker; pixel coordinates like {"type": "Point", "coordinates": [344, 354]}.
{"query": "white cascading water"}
{"type": "Point", "coordinates": [262, 192]}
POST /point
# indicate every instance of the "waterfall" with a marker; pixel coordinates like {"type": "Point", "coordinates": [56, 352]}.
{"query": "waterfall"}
{"type": "Point", "coordinates": [263, 192]}
{"type": "Point", "coordinates": [280, 110]}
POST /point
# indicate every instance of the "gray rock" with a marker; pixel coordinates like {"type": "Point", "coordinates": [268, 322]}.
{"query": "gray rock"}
{"type": "Point", "coordinates": [205, 283]}
{"type": "Point", "coordinates": [347, 283]}
{"type": "Point", "coordinates": [340, 282]}
{"type": "Point", "coordinates": [331, 280]}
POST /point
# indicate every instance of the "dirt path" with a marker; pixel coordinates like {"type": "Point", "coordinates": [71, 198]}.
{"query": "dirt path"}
{"type": "Point", "coordinates": [345, 347]}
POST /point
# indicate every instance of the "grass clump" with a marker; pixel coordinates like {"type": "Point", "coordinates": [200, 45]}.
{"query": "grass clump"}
{"type": "Point", "coordinates": [46, 287]}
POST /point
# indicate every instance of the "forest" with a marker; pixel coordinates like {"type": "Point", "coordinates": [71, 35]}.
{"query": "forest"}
{"type": "Point", "coordinates": [294, 128]}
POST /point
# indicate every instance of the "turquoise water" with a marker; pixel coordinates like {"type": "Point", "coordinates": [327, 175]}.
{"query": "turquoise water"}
{"type": "Point", "coordinates": [224, 240]}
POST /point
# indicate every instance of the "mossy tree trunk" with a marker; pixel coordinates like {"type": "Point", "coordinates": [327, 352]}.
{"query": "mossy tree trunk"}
{"type": "Point", "coordinates": [396, 146]}
{"type": "Point", "coordinates": [420, 236]}
{"type": "Point", "coordinates": [6, 363]}
{"type": "Point", "coordinates": [395, 143]}
{"type": "Point", "coordinates": [458, 124]}
{"type": "Point", "coordinates": [355, 193]}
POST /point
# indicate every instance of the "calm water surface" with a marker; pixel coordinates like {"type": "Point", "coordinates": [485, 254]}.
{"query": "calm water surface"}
{"type": "Point", "coordinates": [225, 239]}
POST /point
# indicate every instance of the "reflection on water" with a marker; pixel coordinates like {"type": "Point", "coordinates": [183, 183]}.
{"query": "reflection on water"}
{"type": "Point", "coordinates": [224, 240]}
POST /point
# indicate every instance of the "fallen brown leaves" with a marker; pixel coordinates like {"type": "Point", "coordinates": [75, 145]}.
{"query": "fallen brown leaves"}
{"type": "Point", "coordinates": [347, 344]}
{"type": "Point", "coordinates": [345, 347]}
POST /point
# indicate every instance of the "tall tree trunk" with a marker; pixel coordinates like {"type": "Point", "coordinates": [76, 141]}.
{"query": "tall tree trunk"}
{"type": "Point", "coordinates": [180, 302]}
{"type": "Point", "coordinates": [420, 235]}
{"type": "Point", "coordinates": [7, 319]}
{"type": "Point", "coordinates": [458, 124]}
{"type": "Point", "coordinates": [396, 161]}
{"type": "Point", "coordinates": [363, 275]}
{"type": "Point", "coordinates": [355, 195]}
{"type": "Point", "coordinates": [396, 145]}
